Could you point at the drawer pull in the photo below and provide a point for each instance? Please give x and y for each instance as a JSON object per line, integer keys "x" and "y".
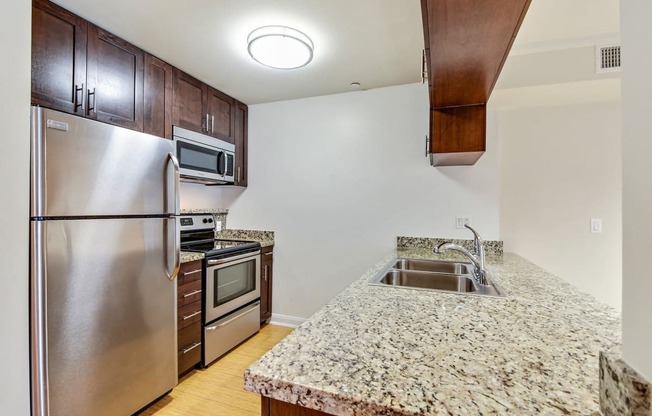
{"x": 193, "y": 293}
{"x": 269, "y": 254}
{"x": 192, "y": 272}
{"x": 191, "y": 315}
{"x": 187, "y": 350}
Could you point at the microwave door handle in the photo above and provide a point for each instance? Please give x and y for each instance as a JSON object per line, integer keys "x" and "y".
{"x": 225, "y": 166}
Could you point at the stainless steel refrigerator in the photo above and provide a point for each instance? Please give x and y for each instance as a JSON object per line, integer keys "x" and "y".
{"x": 103, "y": 258}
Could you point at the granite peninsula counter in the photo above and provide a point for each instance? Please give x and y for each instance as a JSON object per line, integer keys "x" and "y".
{"x": 393, "y": 351}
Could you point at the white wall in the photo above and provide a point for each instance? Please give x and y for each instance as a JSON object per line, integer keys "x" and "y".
{"x": 560, "y": 167}
{"x": 637, "y": 185}
{"x": 338, "y": 177}
{"x": 15, "y": 35}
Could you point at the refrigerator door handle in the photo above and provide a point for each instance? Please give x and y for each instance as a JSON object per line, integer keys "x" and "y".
{"x": 175, "y": 164}
{"x": 37, "y": 149}
{"x": 38, "y": 318}
{"x": 176, "y": 249}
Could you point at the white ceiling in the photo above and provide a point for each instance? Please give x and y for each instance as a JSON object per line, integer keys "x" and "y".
{"x": 374, "y": 42}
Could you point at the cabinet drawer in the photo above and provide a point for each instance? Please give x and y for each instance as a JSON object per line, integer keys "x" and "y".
{"x": 189, "y": 347}
{"x": 189, "y": 292}
{"x": 189, "y": 314}
{"x": 189, "y": 336}
{"x": 190, "y": 272}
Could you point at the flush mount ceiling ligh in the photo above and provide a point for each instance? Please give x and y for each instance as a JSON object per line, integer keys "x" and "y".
{"x": 280, "y": 47}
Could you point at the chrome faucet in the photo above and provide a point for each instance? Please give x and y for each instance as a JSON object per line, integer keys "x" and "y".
{"x": 476, "y": 257}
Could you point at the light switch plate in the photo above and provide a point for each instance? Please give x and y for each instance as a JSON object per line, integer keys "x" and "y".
{"x": 596, "y": 225}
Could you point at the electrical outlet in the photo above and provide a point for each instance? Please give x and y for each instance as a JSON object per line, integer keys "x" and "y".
{"x": 218, "y": 226}
{"x": 461, "y": 221}
{"x": 596, "y": 225}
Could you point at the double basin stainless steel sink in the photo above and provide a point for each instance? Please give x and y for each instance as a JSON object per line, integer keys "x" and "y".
{"x": 437, "y": 275}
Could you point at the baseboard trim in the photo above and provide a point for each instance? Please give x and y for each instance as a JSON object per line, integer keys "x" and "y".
{"x": 285, "y": 320}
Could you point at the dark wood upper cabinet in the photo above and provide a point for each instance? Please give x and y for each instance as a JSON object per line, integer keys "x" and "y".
{"x": 221, "y": 109}
{"x": 241, "y": 143}
{"x": 82, "y": 69}
{"x": 201, "y": 108}
{"x": 115, "y": 80}
{"x": 58, "y": 58}
{"x": 157, "y": 97}
{"x": 466, "y": 44}
{"x": 189, "y": 102}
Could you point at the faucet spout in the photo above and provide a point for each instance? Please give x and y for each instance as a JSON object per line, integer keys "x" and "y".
{"x": 476, "y": 257}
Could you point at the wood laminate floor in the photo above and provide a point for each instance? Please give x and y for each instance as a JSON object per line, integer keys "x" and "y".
{"x": 217, "y": 390}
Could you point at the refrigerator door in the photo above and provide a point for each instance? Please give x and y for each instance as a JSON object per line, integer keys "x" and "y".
{"x": 82, "y": 167}
{"x": 104, "y": 337}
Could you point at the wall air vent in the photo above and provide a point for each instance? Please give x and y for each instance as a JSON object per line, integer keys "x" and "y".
{"x": 607, "y": 59}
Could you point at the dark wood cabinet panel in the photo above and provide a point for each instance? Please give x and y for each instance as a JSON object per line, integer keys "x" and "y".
{"x": 189, "y": 314}
{"x": 189, "y": 339}
{"x": 58, "y": 57}
{"x": 272, "y": 407}
{"x": 115, "y": 80}
{"x": 469, "y": 41}
{"x": 241, "y": 143}
{"x": 459, "y": 128}
{"x": 220, "y": 108}
{"x": 188, "y": 102}
{"x": 466, "y": 44}
{"x": 266, "y": 278}
{"x": 157, "y": 97}
{"x": 189, "y": 304}
{"x": 190, "y": 272}
{"x": 189, "y": 292}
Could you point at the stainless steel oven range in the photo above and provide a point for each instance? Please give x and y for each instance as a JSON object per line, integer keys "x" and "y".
{"x": 231, "y": 285}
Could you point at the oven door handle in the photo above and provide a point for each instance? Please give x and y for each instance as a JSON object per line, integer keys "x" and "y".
{"x": 230, "y": 259}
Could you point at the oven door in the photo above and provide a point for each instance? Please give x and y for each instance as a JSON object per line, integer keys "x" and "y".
{"x": 231, "y": 283}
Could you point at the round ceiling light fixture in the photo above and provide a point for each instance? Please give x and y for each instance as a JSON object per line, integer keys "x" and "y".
{"x": 280, "y": 47}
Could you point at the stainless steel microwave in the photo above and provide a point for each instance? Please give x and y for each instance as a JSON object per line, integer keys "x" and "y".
{"x": 203, "y": 159}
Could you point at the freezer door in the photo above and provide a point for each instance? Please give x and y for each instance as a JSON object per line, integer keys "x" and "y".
{"x": 82, "y": 167}
{"x": 104, "y": 337}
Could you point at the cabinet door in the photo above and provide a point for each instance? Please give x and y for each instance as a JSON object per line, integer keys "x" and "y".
{"x": 157, "y": 117}
{"x": 221, "y": 112}
{"x": 188, "y": 110}
{"x": 58, "y": 57}
{"x": 115, "y": 80}
{"x": 267, "y": 265}
{"x": 241, "y": 143}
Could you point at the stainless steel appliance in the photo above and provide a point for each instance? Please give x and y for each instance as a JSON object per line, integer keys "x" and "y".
{"x": 104, "y": 252}
{"x": 231, "y": 311}
{"x": 203, "y": 159}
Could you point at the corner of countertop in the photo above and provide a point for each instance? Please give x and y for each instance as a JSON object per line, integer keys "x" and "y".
{"x": 265, "y": 238}
{"x": 187, "y": 256}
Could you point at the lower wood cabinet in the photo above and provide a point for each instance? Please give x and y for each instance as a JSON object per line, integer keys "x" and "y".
{"x": 272, "y": 407}
{"x": 189, "y": 299}
{"x": 266, "y": 272}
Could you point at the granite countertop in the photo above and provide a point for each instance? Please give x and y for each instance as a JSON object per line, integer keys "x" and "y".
{"x": 205, "y": 211}
{"x": 188, "y": 256}
{"x": 265, "y": 238}
{"x": 391, "y": 351}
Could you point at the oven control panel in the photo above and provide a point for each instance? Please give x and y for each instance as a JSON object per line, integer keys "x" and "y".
{"x": 194, "y": 222}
